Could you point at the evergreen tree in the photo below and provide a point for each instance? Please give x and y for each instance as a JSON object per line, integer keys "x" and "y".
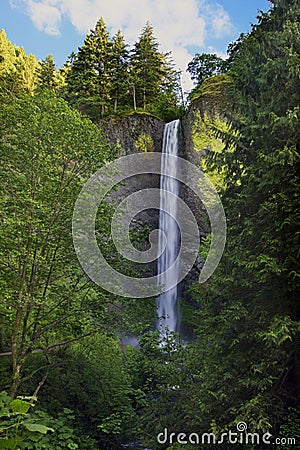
{"x": 89, "y": 78}
{"x": 247, "y": 353}
{"x": 170, "y": 102}
{"x": 17, "y": 70}
{"x": 46, "y": 72}
{"x": 104, "y": 76}
{"x": 47, "y": 76}
{"x": 119, "y": 71}
{"x": 7, "y": 53}
{"x": 148, "y": 68}
{"x": 27, "y": 68}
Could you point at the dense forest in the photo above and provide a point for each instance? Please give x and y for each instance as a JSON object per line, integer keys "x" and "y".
{"x": 67, "y": 381}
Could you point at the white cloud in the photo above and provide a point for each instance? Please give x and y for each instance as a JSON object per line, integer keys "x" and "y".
{"x": 222, "y": 55}
{"x": 177, "y": 24}
{"x": 45, "y": 15}
{"x": 221, "y": 23}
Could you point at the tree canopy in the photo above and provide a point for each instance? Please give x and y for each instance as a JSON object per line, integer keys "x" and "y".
{"x": 206, "y": 65}
{"x": 17, "y": 70}
{"x": 248, "y": 332}
{"x": 105, "y": 77}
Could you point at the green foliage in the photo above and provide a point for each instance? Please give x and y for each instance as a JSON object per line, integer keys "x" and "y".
{"x": 246, "y": 356}
{"x": 144, "y": 143}
{"x": 98, "y": 406}
{"x": 49, "y": 309}
{"x": 206, "y": 131}
{"x": 167, "y": 106}
{"x": 17, "y": 70}
{"x": 206, "y": 65}
{"x": 16, "y": 422}
{"x": 47, "y": 76}
{"x": 89, "y": 77}
{"x": 158, "y": 378}
{"x": 47, "y": 152}
{"x": 291, "y": 427}
{"x": 151, "y": 72}
{"x": 105, "y": 78}
{"x": 119, "y": 71}
{"x": 59, "y": 334}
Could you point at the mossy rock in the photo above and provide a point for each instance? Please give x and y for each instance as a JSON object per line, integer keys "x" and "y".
{"x": 211, "y": 95}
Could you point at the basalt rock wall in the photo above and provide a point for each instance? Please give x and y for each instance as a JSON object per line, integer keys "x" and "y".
{"x": 144, "y": 133}
{"x": 131, "y": 133}
{"x": 137, "y": 133}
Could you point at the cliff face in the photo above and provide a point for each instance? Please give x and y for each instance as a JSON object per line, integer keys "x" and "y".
{"x": 193, "y": 156}
{"x": 206, "y": 113}
{"x": 188, "y": 151}
{"x": 135, "y": 133}
{"x": 144, "y": 133}
{"x": 194, "y": 203}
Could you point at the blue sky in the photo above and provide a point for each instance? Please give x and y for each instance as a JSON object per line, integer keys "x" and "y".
{"x": 182, "y": 26}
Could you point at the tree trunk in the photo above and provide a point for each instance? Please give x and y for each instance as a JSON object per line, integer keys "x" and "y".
{"x": 16, "y": 378}
{"x": 134, "y": 97}
{"x": 16, "y": 363}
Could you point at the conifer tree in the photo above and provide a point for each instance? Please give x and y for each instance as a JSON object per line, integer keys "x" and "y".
{"x": 17, "y": 69}
{"x": 7, "y": 53}
{"x": 148, "y": 68}
{"x": 248, "y": 339}
{"x": 104, "y": 77}
{"x": 119, "y": 70}
{"x": 88, "y": 80}
{"x": 46, "y": 74}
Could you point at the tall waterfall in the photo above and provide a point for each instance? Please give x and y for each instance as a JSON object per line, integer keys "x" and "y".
{"x": 167, "y": 303}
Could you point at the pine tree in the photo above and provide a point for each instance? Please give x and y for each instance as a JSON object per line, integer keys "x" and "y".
{"x": 148, "y": 68}
{"x": 17, "y": 69}
{"x": 103, "y": 75}
{"x": 46, "y": 74}
{"x": 28, "y": 70}
{"x": 119, "y": 71}
{"x": 100, "y": 48}
{"x": 89, "y": 78}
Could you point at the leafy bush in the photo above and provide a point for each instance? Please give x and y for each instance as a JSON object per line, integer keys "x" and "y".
{"x": 24, "y": 428}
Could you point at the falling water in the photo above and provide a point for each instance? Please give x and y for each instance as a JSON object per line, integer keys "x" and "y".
{"x": 167, "y": 303}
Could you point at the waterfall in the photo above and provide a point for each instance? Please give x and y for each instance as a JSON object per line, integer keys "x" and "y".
{"x": 167, "y": 303}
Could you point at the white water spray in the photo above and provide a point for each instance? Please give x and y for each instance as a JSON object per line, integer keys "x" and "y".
{"x": 167, "y": 303}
